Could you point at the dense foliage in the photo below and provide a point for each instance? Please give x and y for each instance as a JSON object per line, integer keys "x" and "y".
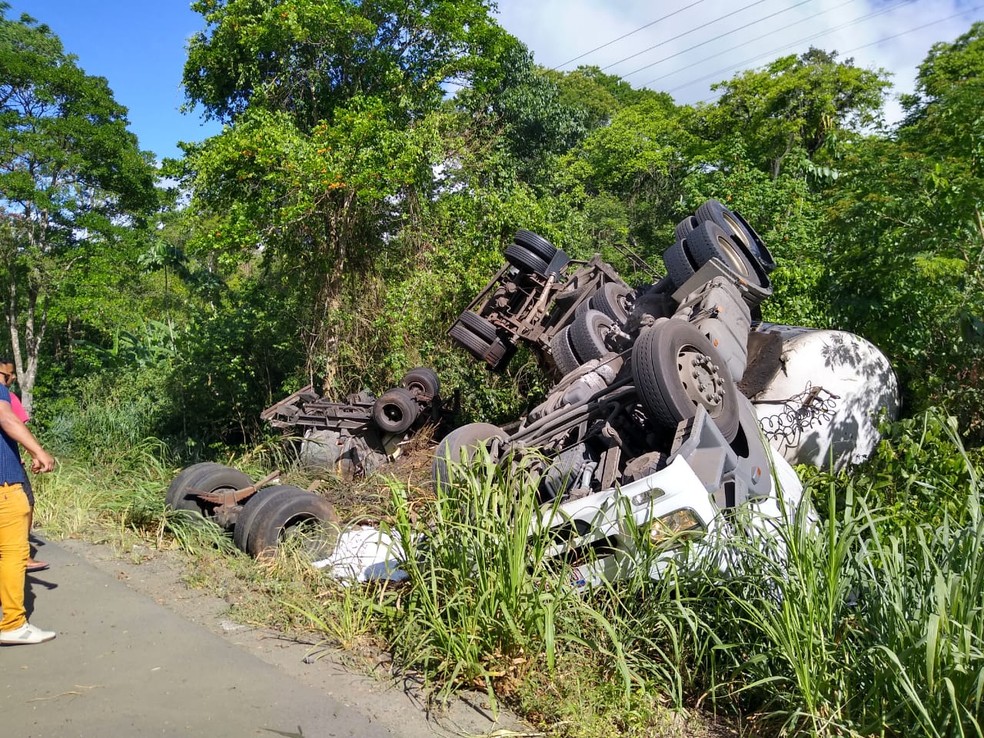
{"x": 376, "y": 158}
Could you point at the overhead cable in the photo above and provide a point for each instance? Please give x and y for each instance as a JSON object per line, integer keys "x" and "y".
{"x": 857, "y": 48}
{"x": 750, "y": 41}
{"x": 626, "y": 35}
{"x": 712, "y": 40}
{"x": 685, "y": 33}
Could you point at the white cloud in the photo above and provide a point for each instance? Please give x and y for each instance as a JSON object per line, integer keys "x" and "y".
{"x": 698, "y": 46}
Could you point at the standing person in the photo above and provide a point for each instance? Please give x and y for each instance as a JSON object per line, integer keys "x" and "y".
{"x": 14, "y": 513}
{"x": 7, "y": 376}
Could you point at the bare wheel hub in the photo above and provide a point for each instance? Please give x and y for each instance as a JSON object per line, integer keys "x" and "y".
{"x": 701, "y": 378}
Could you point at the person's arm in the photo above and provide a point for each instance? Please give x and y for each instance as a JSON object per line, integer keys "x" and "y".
{"x": 15, "y": 428}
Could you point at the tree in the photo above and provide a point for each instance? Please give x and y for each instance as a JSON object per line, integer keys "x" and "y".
{"x": 70, "y": 176}
{"x": 795, "y": 104}
{"x": 306, "y": 57}
{"x": 908, "y": 267}
{"x": 333, "y": 138}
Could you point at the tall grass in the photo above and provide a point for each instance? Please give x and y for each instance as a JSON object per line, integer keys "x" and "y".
{"x": 852, "y": 626}
{"x": 870, "y": 622}
{"x": 483, "y": 596}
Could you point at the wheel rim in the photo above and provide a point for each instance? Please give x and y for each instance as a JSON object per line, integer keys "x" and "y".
{"x": 736, "y": 228}
{"x": 393, "y": 413}
{"x": 701, "y": 379}
{"x": 729, "y": 251}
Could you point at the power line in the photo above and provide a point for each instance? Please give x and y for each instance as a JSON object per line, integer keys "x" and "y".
{"x": 626, "y": 35}
{"x": 720, "y": 36}
{"x": 746, "y": 62}
{"x": 911, "y": 30}
{"x": 751, "y": 41}
{"x": 685, "y": 33}
{"x": 857, "y": 48}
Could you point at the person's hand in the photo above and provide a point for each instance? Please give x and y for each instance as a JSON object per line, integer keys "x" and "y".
{"x": 42, "y": 462}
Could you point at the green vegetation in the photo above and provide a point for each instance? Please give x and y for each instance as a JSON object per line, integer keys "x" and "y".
{"x": 350, "y": 209}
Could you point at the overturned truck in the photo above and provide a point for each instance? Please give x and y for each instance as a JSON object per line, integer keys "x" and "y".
{"x": 673, "y": 402}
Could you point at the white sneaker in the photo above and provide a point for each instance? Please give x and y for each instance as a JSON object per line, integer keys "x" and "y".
{"x": 26, "y": 634}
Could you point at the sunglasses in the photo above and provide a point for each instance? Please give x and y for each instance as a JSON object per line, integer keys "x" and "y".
{"x": 7, "y": 376}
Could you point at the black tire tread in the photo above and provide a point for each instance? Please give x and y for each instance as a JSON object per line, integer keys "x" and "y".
{"x": 536, "y": 244}
{"x": 678, "y": 266}
{"x": 563, "y": 353}
{"x": 253, "y": 504}
{"x": 586, "y": 336}
{"x": 208, "y": 479}
{"x": 269, "y": 523}
{"x": 657, "y": 381}
{"x": 422, "y": 380}
{"x": 709, "y": 241}
{"x": 525, "y": 260}
{"x": 608, "y": 300}
{"x": 405, "y": 405}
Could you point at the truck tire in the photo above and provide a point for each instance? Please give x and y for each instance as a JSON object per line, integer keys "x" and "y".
{"x": 678, "y": 265}
{"x": 563, "y": 354}
{"x": 475, "y": 345}
{"x": 613, "y": 300}
{"x": 207, "y": 479}
{"x": 536, "y": 244}
{"x": 478, "y": 325}
{"x": 588, "y": 333}
{"x": 732, "y": 222}
{"x": 525, "y": 260}
{"x": 709, "y": 241}
{"x": 255, "y": 503}
{"x": 278, "y": 517}
{"x": 756, "y": 245}
{"x": 395, "y": 410}
{"x": 464, "y": 440}
{"x": 176, "y": 490}
{"x": 421, "y": 382}
{"x": 684, "y": 227}
{"x": 665, "y": 359}
{"x": 473, "y": 332}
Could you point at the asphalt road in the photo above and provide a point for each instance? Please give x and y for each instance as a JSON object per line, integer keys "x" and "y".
{"x": 123, "y": 665}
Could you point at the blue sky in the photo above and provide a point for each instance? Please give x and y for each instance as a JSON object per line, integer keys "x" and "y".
{"x": 139, "y": 45}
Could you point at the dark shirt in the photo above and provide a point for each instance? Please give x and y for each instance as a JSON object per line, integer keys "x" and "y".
{"x": 11, "y": 469}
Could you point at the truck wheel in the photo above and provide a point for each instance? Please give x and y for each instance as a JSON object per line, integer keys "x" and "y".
{"x": 478, "y": 325}
{"x": 476, "y": 346}
{"x": 709, "y": 241}
{"x": 678, "y": 265}
{"x": 525, "y": 260}
{"x": 461, "y": 441}
{"x": 588, "y": 334}
{"x": 613, "y": 300}
{"x": 675, "y": 369}
{"x": 737, "y": 227}
{"x": 536, "y": 244}
{"x": 254, "y": 504}
{"x": 684, "y": 227}
{"x": 756, "y": 245}
{"x": 206, "y": 480}
{"x": 563, "y": 354}
{"x": 473, "y": 332}
{"x": 421, "y": 381}
{"x": 176, "y": 490}
{"x": 395, "y": 410}
{"x": 290, "y": 513}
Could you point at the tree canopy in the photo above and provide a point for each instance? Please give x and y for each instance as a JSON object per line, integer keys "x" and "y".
{"x": 70, "y": 174}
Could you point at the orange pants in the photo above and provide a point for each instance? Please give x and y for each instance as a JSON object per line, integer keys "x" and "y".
{"x": 14, "y": 552}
